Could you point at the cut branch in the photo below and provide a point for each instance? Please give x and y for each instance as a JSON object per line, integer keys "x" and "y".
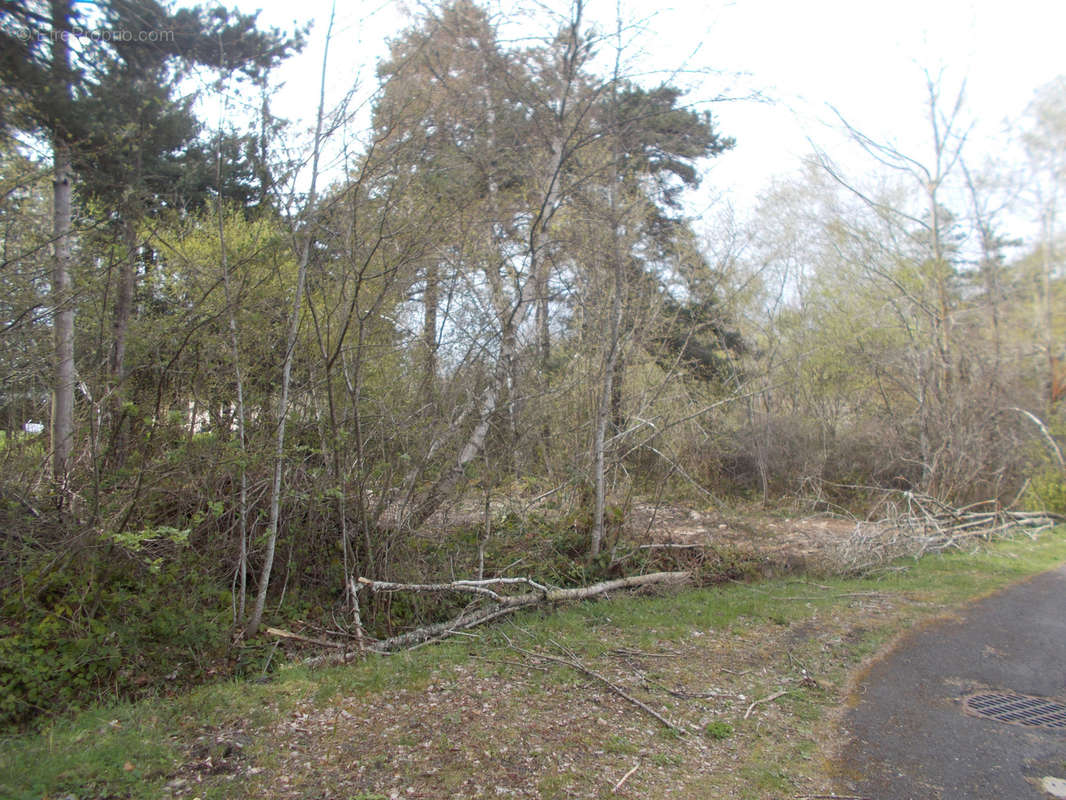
{"x": 767, "y": 699}
{"x": 284, "y": 634}
{"x": 1051, "y": 443}
{"x": 918, "y": 524}
{"x": 503, "y": 604}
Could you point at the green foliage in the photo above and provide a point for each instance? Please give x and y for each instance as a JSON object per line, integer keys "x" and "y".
{"x": 718, "y": 730}
{"x": 105, "y": 626}
{"x": 138, "y": 541}
{"x": 1047, "y": 491}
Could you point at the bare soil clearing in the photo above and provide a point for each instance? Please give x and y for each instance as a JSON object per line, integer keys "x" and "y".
{"x": 779, "y": 540}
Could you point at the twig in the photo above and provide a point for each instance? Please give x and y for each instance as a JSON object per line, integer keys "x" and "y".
{"x": 767, "y": 699}
{"x": 625, "y": 777}
{"x": 623, "y": 652}
{"x": 574, "y": 664}
{"x": 521, "y": 664}
{"x": 812, "y": 583}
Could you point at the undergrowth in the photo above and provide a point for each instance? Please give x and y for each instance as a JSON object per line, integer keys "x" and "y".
{"x": 132, "y": 749}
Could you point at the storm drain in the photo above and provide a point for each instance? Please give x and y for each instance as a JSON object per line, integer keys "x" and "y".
{"x": 1017, "y": 709}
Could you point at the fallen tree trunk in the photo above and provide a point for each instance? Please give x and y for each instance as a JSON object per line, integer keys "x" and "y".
{"x": 502, "y": 605}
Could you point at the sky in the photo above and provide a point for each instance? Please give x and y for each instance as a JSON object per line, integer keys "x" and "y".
{"x": 801, "y": 57}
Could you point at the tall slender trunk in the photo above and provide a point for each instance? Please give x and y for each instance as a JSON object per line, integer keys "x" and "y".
{"x": 603, "y": 411}
{"x": 507, "y": 309}
{"x": 127, "y": 281}
{"x": 290, "y": 350}
{"x": 990, "y": 269}
{"x": 238, "y": 377}
{"x": 120, "y": 320}
{"x": 430, "y": 301}
{"x": 540, "y": 269}
{"x": 567, "y": 65}
{"x": 62, "y": 287}
{"x": 1048, "y": 263}
{"x": 538, "y": 245}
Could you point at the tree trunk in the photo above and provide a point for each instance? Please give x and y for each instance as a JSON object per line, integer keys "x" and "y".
{"x": 120, "y": 323}
{"x": 62, "y": 290}
{"x": 611, "y": 356}
{"x": 290, "y": 350}
{"x": 238, "y": 380}
{"x": 1048, "y": 234}
{"x": 430, "y": 301}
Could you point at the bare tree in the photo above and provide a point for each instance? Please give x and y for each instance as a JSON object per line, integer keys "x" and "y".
{"x": 306, "y": 239}
{"x": 1045, "y": 144}
{"x": 928, "y": 231}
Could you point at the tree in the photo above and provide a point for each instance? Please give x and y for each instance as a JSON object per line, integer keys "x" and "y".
{"x": 69, "y": 96}
{"x": 24, "y": 269}
{"x": 1045, "y": 145}
{"x": 930, "y": 236}
{"x": 306, "y": 242}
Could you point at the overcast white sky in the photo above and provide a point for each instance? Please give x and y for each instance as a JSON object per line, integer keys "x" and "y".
{"x": 865, "y": 58}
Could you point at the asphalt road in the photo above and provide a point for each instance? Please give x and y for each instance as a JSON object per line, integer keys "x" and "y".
{"x": 911, "y": 738}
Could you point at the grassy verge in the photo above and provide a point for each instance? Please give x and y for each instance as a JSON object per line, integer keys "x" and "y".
{"x": 751, "y": 672}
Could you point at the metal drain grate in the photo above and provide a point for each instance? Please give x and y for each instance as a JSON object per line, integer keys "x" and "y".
{"x": 1017, "y": 709}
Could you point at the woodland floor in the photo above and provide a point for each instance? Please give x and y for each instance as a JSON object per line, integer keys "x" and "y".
{"x": 508, "y": 724}
{"x": 781, "y": 540}
{"x": 523, "y": 728}
{"x": 753, "y": 677}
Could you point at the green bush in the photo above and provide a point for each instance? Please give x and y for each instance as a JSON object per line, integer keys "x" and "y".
{"x": 1047, "y": 491}
{"x": 69, "y": 634}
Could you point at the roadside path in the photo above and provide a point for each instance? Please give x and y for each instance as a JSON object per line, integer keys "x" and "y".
{"x": 910, "y": 737}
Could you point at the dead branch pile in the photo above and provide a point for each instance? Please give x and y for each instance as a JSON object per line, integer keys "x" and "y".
{"x": 916, "y": 524}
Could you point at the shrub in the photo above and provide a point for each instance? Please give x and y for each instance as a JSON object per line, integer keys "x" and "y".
{"x": 71, "y": 632}
{"x": 1047, "y": 491}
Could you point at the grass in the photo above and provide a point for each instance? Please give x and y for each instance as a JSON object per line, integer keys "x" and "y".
{"x": 740, "y": 642}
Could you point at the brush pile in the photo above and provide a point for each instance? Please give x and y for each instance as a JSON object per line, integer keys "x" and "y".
{"x": 915, "y": 524}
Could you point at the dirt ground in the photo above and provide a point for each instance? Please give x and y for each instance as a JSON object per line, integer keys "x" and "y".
{"x": 523, "y": 728}
{"x": 515, "y": 726}
{"x": 780, "y": 540}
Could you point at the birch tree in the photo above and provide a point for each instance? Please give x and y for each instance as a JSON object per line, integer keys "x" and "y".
{"x": 306, "y": 239}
